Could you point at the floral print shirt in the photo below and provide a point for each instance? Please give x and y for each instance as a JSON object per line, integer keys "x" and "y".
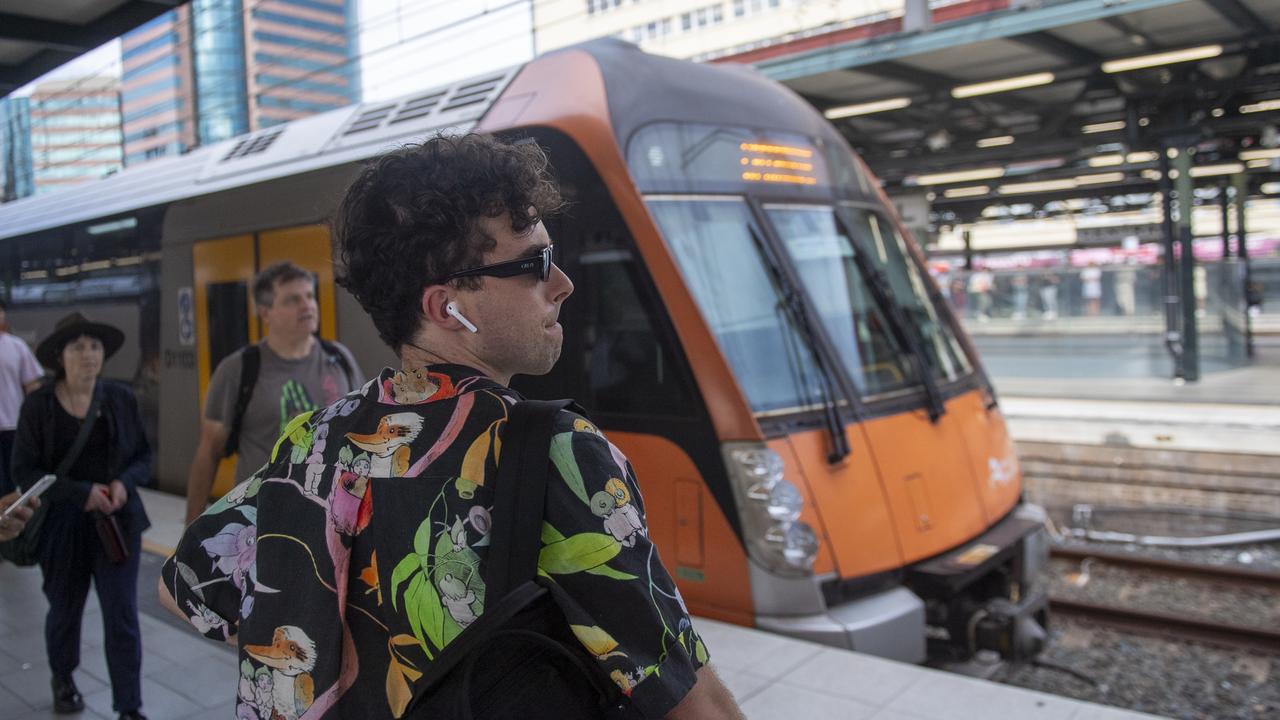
{"x": 350, "y": 560}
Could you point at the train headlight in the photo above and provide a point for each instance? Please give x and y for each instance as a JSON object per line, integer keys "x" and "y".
{"x": 770, "y": 507}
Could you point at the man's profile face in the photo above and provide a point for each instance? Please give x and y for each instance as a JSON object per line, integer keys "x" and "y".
{"x": 293, "y": 310}
{"x": 517, "y": 316}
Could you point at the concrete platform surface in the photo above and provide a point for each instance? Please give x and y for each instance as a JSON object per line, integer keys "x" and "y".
{"x": 186, "y": 677}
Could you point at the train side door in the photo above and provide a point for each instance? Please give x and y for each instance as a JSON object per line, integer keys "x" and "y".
{"x": 309, "y": 247}
{"x": 223, "y": 271}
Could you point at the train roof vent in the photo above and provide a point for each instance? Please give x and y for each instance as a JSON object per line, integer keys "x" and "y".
{"x": 253, "y": 144}
{"x": 473, "y": 93}
{"x": 369, "y": 119}
{"x": 417, "y": 107}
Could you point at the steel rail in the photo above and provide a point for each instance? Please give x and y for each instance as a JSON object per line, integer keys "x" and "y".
{"x": 1200, "y": 571}
{"x": 1172, "y": 626}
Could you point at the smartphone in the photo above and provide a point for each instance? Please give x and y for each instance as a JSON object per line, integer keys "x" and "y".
{"x": 34, "y": 491}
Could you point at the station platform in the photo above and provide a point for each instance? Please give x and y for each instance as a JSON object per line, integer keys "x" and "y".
{"x": 186, "y": 677}
{"x": 1229, "y": 411}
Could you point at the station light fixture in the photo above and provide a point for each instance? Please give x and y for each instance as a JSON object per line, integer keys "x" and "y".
{"x": 995, "y": 141}
{"x": 1264, "y": 154}
{"x": 1263, "y": 106}
{"x": 1271, "y": 188}
{"x": 959, "y": 176}
{"x": 1222, "y": 169}
{"x": 1103, "y": 127}
{"x": 1203, "y": 52}
{"x": 1106, "y": 160}
{"x": 1100, "y": 178}
{"x": 1259, "y": 163}
{"x": 1152, "y": 175}
{"x": 1144, "y": 156}
{"x": 998, "y": 86}
{"x": 866, "y": 108}
{"x": 970, "y": 191}
{"x": 1035, "y": 187}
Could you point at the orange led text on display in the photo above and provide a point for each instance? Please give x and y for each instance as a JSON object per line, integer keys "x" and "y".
{"x": 767, "y": 159}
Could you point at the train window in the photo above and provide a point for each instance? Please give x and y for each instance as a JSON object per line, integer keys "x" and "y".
{"x": 888, "y": 250}
{"x": 711, "y": 239}
{"x": 228, "y": 318}
{"x": 628, "y": 368}
{"x": 856, "y": 326}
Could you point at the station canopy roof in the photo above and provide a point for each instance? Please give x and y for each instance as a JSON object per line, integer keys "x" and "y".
{"x": 37, "y": 36}
{"x": 1045, "y": 100}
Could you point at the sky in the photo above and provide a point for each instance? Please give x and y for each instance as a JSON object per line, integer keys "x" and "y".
{"x": 405, "y": 45}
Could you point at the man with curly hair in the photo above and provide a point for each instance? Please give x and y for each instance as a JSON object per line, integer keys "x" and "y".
{"x": 349, "y": 564}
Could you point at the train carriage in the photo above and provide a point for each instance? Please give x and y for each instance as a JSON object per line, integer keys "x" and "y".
{"x": 820, "y": 452}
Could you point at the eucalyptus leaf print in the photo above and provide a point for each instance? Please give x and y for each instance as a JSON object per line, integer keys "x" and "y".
{"x": 578, "y": 553}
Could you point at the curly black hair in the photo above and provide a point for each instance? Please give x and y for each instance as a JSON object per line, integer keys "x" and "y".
{"x": 412, "y": 217}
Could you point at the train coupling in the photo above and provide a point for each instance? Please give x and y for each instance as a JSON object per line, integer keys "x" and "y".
{"x": 1015, "y": 630}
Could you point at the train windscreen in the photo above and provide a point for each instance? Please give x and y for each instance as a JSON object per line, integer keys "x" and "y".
{"x": 701, "y": 181}
{"x": 823, "y": 257}
{"x": 712, "y": 240}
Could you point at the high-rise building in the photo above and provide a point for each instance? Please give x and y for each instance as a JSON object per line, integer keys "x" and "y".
{"x": 157, "y": 99}
{"x": 75, "y": 131}
{"x": 299, "y": 59}
{"x": 700, "y": 29}
{"x": 17, "y": 174}
{"x": 214, "y": 69}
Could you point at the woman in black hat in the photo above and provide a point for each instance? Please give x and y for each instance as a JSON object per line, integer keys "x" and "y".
{"x": 93, "y": 529}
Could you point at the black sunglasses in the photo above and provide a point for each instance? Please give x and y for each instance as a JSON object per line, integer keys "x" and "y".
{"x": 540, "y": 264}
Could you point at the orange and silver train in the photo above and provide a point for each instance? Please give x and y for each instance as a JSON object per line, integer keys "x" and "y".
{"x": 820, "y": 452}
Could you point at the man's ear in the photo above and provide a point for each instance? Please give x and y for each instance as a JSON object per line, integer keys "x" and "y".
{"x": 434, "y": 298}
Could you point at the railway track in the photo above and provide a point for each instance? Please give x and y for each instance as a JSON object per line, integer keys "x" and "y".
{"x": 1175, "y": 625}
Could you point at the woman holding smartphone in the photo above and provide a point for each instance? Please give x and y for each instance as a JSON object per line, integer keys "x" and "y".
{"x": 88, "y": 432}
{"x": 12, "y": 522}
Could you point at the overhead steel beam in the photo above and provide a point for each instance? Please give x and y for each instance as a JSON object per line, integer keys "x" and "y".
{"x": 988, "y": 26}
{"x": 54, "y": 35}
{"x": 65, "y": 41}
{"x": 1238, "y": 14}
{"x": 1054, "y": 45}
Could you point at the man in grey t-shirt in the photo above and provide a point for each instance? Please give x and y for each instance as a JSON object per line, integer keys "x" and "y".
{"x": 296, "y": 373}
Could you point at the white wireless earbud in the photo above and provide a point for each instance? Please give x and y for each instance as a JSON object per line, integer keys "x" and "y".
{"x": 452, "y": 309}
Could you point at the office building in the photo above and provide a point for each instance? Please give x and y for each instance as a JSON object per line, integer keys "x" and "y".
{"x": 214, "y": 69}
{"x": 75, "y": 131}
{"x": 17, "y": 174}
{"x": 698, "y": 29}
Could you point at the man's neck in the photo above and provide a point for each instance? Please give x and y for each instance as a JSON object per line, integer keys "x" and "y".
{"x": 414, "y": 356}
{"x": 289, "y": 348}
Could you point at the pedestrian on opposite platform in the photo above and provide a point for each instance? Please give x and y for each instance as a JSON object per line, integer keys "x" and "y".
{"x": 88, "y": 432}
{"x": 362, "y": 558}
{"x": 257, "y": 390}
{"x": 19, "y": 375}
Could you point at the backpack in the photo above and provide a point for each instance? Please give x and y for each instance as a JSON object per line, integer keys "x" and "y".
{"x": 519, "y": 659}
{"x": 250, "y": 363}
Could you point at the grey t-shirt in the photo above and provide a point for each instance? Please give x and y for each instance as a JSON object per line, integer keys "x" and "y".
{"x": 284, "y": 389}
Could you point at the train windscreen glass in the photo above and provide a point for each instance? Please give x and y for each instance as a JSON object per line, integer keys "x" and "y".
{"x": 723, "y": 267}
{"x": 823, "y": 257}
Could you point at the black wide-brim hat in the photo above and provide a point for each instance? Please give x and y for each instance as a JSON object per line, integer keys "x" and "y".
{"x": 71, "y": 327}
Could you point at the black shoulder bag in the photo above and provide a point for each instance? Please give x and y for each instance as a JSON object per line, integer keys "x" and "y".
{"x": 519, "y": 659}
{"x": 24, "y": 550}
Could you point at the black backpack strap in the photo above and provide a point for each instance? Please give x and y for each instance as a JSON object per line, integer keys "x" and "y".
{"x": 250, "y": 362}
{"x": 524, "y": 466}
{"x": 336, "y": 355}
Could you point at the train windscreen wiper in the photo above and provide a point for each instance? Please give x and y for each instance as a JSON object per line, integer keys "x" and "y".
{"x": 902, "y": 327}
{"x": 796, "y": 307}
